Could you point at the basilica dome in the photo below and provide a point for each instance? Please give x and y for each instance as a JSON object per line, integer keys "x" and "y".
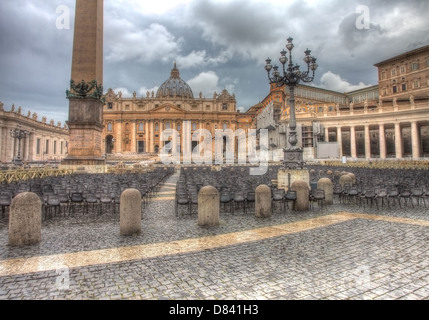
{"x": 174, "y": 86}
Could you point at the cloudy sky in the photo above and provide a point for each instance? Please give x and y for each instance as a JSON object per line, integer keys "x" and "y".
{"x": 217, "y": 44}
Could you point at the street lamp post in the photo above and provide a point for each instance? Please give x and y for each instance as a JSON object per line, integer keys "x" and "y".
{"x": 19, "y": 134}
{"x": 291, "y": 77}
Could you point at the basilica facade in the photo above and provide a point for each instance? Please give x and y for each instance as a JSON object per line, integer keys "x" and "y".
{"x": 134, "y": 126}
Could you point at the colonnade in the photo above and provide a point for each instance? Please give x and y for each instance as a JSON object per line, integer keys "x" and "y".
{"x": 405, "y": 139}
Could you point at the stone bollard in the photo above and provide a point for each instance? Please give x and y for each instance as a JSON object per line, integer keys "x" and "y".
{"x": 263, "y": 201}
{"x": 25, "y": 220}
{"x": 345, "y": 179}
{"x": 130, "y": 212}
{"x": 208, "y": 206}
{"x": 352, "y": 175}
{"x": 326, "y": 185}
{"x": 302, "y": 195}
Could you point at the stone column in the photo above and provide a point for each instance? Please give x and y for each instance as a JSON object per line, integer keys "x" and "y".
{"x": 130, "y": 212}
{"x": 25, "y": 220}
{"x": 383, "y": 151}
{"x": 326, "y": 134}
{"x": 133, "y": 136}
{"x": 2, "y": 144}
{"x": 353, "y": 142}
{"x": 208, "y": 206}
{"x": 415, "y": 139}
{"x": 326, "y": 185}
{"x": 85, "y": 120}
{"x": 302, "y": 195}
{"x": 263, "y": 201}
{"x": 340, "y": 142}
{"x": 152, "y": 136}
{"x": 398, "y": 141}
{"x": 367, "y": 142}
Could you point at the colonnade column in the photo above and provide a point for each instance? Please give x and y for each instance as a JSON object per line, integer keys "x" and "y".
{"x": 340, "y": 142}
{"x": 118, "y": 141}
{"x": 415, "y": 140}
{"x": 326, "y": 134}
{"x": 367, "y": 142}
{"x": 353, "y": 142}
{"x": 152, "y": 137}
{"x": 382, "y": 141}
{"x": 133, "y": 136}
{"x": 146, "y": 137}
{"x": 398, "y": 140}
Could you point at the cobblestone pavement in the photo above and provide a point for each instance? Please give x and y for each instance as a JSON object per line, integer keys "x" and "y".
{"x": 344, "y": 251}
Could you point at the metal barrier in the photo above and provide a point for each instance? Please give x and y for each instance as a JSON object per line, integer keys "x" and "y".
{"x": 28, "y": 174}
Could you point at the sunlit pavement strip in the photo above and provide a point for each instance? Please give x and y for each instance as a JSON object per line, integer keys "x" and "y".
{"x": 122, "y": 254}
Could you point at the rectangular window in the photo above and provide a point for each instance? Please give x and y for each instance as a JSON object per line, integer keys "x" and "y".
{"x": 225, "y": 106}
{"x": 402, "y": 69}
{"x": 38, "y": 146}
{"x": 110, "y": 105}
{"x": 415, "y": 66}
{"x": 416, "y": 84}
{"x": 393, "y": 72}
{"x": 394, "y": 89}
{"x": 47, "y": 147}
{"x": 404, "y": 87}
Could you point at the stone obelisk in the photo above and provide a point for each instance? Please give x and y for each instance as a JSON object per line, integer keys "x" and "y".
{"x": 86, "y": 91}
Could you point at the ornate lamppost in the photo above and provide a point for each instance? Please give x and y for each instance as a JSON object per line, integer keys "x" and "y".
{"x": 19, "y": 134}
{"x": 291, "y": 77}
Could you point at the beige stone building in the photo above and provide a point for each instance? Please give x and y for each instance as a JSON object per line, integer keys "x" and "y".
{"x": 134, "y": 125}
{"x": 388, "y": 120}
{"x": 46, "y": 141}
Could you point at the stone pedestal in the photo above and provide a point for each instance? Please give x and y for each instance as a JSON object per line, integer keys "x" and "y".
{"x": 263, "y": 201}
{"x": 25, "y": 221}
{"x": 286, "y": 177}
{"x": 208, "y": 206}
